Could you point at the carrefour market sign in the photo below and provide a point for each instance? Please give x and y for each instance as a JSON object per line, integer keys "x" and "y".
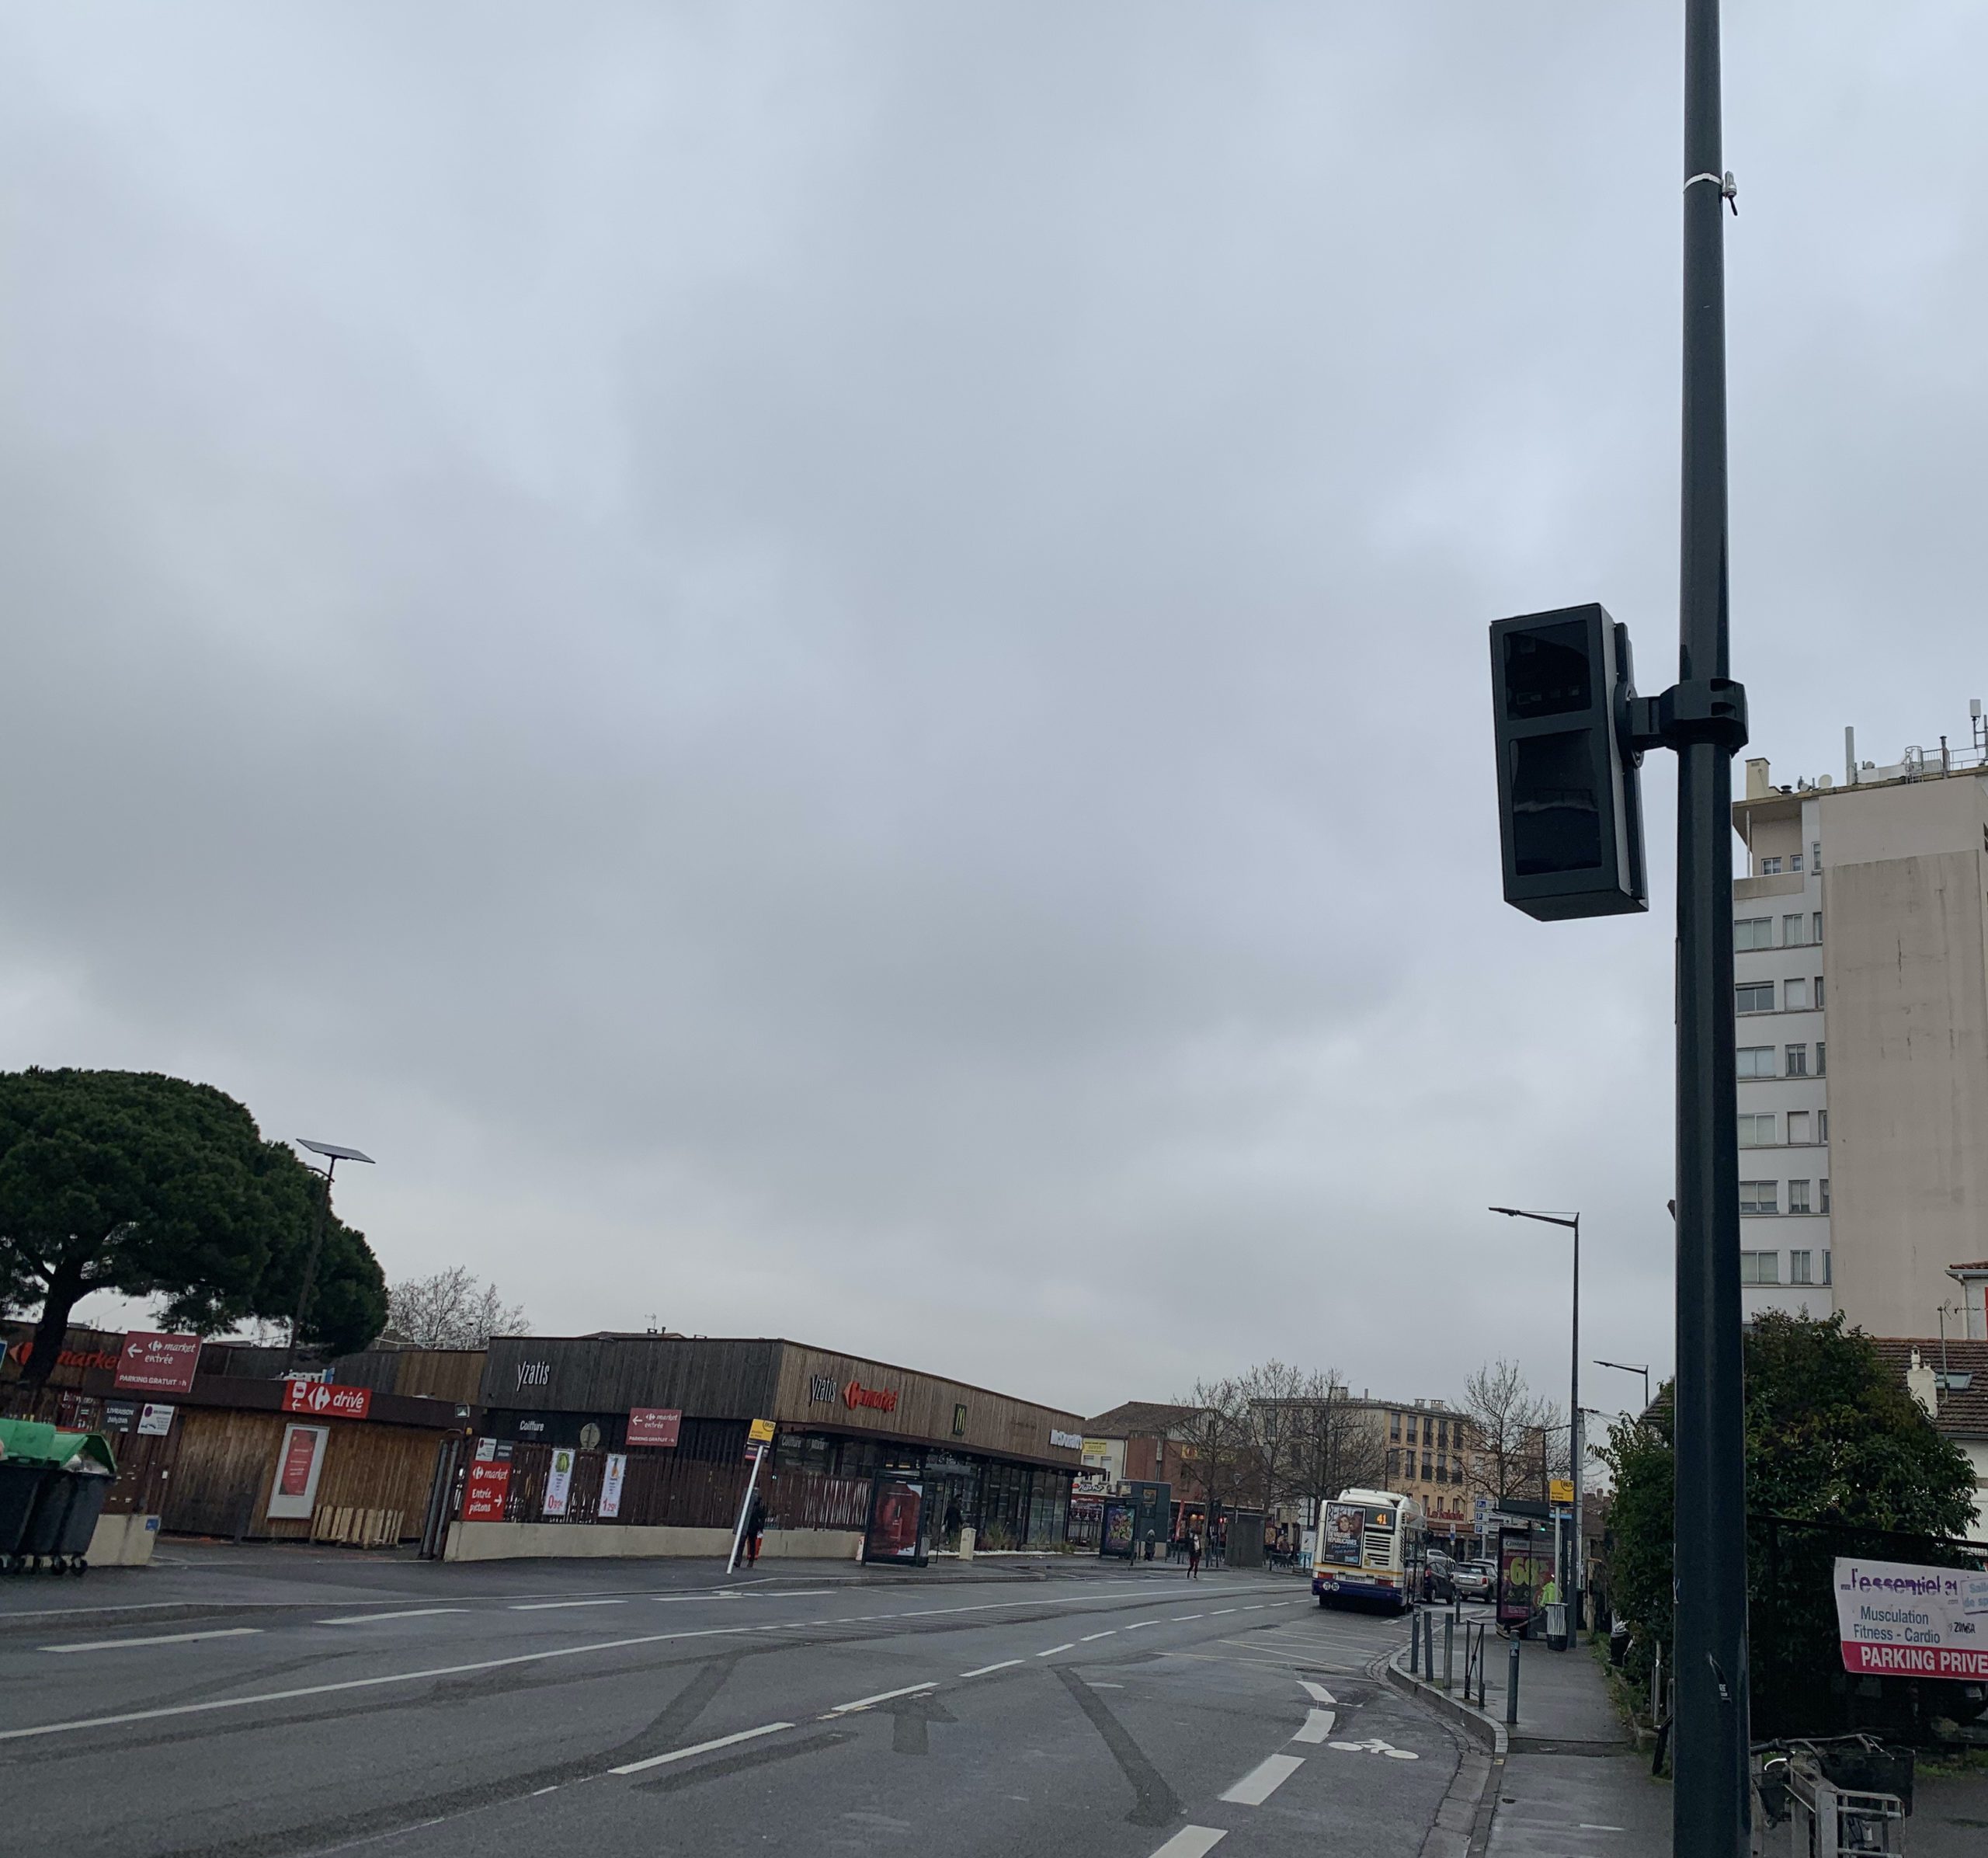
{"x": 1899, "y": 1618}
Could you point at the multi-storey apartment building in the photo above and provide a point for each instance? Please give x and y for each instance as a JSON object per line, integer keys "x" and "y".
{"x": 1860, "y": 1003}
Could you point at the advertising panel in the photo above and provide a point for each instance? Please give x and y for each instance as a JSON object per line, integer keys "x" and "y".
{"x": 1896, "y": 1618}
{"x": 655, "y": 1425}
{"x": 321, "y": 1399}
{"x": 152, "y": 1363}
{"x": 155, "y": 1421}
{"x": 299, "y": 1464}
{"x": 559, "y": 1481}
{"x": 1525, "y": 1564}
{"x": 483, "y": 1498}
{"x": 1116, "y": 1537}
{"x": 611, "y": 1476}
{"x": 1345, "y": 1524}
{"x": 897, "y": 1514}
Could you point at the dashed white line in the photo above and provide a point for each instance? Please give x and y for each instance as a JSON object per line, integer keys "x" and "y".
{"x": 1263, "y": 1779}
{"x": 882, "y": 1696}
{"x": 1317, "y": 1693}
{"x": 561, "y": 1605}
{"x": 1068, "y": 1645}
{"x": 1317, "y": 1726}
{"x": 1137, "y": 1623}
{"x": 163, "y": 1638}
{"x": 1191, "y": 1842}
{"x": 1179, "y": 1616}
{"x": 1220, "y": 1610}
{"x": 982, "y": 1670}
{"x": 702, "y": 1747}
{"x": 1106, "y": 1633}
{"x": 412, "y": 1612}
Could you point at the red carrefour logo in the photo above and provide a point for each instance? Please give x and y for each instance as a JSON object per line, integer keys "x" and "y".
{"x": 322, "y": 1398}
{"x": 856, "y": 1394}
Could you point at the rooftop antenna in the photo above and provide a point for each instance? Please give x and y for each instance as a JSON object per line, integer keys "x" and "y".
{"x": 1850, "y": 757}
{"x": 1980, "y": 725}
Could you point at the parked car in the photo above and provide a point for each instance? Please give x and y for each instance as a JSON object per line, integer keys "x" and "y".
{"x": 1475, "y": 1580}
{"x": 1440, "y": 1568}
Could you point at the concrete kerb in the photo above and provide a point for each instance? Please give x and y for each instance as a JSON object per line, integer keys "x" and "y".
{"x": 1462, "y": 1826}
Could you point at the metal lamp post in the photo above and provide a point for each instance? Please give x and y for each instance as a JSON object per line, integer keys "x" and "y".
{"x": 1572, "y": 1222}
{"x": 1631, "y": 1367}
{"x": 333, "y": 1155}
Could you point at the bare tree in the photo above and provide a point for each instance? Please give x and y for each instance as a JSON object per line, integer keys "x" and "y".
{"x": 454, "y": 1309}
{"x": 1213, "y": 1435}
{"x": 1341, "y": 1445}
{"x": 1270, "y": 1409}
{"x": 1517, "y": 1441}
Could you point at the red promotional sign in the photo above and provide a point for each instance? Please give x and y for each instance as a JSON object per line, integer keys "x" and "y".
{"x": 856, "y": 1394}
{"x": 654, "y": 1425}
{"x": 295, "y": 1480}
{"x": 483, "y": 1500}
{"x": 158, "y": 1364}
{"x": 324, "y": 1400}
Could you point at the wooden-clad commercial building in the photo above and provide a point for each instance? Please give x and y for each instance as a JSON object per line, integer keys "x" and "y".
{"x": 1000, "y": 1466}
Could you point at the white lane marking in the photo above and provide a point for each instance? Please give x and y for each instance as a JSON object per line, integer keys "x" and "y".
{"x": 1317, "y": 1726}
{"x": 982, "y": 1670}
{"x": 1584, "y": 1827}
{"x": 163, "y": 1638}
{"x": 1220, "y": 1610}
{"x": 1317, "y": 1693}
{"x": 1257, "y": 1608}
{"x": 561, "y": 1606}
{"x": 412, "y": 1612}
{"x": 702, "y": 1747}
{"x": 352, "y": 1683}
{"x": 1137, "y": 1623}
{"x": 882, "y": 1696}
{"x": 1106, "y": 1633}
{"x": 1373, "y": 1745}
{"x": 1263, "y": 1779}
{"x": 1070, "y": 1645}
{"x": 1188, "y": 1615}
{"x": 1191, "y": 1842}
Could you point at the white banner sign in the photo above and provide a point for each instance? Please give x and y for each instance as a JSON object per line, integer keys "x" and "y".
{"x": 558, "y": 1481}
{"x": 610, "y": 1484}
{"x": 1898, "y": 1618}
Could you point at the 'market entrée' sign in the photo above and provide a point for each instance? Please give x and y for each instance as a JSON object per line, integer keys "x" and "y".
{"x": 1897, "y": 1618}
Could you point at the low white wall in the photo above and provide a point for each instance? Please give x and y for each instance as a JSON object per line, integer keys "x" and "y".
{"x": 122, "y": 1541}
{"x": 594, "y": 1541}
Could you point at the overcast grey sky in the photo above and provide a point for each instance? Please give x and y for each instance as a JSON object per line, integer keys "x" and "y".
{"x": 823, "y": 666}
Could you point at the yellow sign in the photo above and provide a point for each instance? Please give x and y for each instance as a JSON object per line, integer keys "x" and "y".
{"x": 761, "y": 1431}
{"x": 1560, "y": 1490}
{"x": 1097, "y": 1448}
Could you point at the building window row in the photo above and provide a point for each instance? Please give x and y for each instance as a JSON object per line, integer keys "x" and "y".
{"x": 1804, "y": 1267}
{"x": 1801, "y": 929}
{"x": 1761, "y": 1197}
{"x": 1764, "y": 1128}
{"x": 1798, "y": 994}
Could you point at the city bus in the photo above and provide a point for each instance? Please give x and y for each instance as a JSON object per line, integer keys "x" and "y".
{"x": 1369, "y": 1544}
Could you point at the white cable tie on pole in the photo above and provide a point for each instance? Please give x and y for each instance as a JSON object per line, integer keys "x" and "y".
{"x": 1729, "y": 189}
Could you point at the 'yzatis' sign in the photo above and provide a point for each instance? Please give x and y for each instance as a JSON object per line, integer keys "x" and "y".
{"x": 1898, "y": 1619}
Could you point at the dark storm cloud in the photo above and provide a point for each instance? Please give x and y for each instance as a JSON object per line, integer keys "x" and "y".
{"x": 824, "y": 668}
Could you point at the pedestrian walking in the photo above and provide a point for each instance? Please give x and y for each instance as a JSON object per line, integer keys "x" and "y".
{"x": 756, "y": 1527}
{"x": 1193, "y": 1557}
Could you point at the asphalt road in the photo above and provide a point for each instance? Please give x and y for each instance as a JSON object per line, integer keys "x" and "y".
{"x": 617, "y": 1709}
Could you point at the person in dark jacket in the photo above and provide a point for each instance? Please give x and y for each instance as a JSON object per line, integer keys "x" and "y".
{"x": 756, "y": 1527}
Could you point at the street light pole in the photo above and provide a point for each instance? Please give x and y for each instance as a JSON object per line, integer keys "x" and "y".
{"x": 1576, "y": 1585}
{"x": 319, "y": 1212}
{"x": 1631, "y": 1367}
{"x": 1713, "y": 1810}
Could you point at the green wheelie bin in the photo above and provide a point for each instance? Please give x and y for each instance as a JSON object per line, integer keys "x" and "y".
{"x": 57, "y": 1481}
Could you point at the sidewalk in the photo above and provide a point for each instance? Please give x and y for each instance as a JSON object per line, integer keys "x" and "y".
{"x": 1566, "y": 1780}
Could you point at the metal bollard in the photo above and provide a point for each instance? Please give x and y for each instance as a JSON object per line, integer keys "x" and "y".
{"x": 1511, "y": 1683}
{"x": 1414, "y": 1645}
{"x": 1429, "y": 1646}
{"x": 1449, "y": 1652}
